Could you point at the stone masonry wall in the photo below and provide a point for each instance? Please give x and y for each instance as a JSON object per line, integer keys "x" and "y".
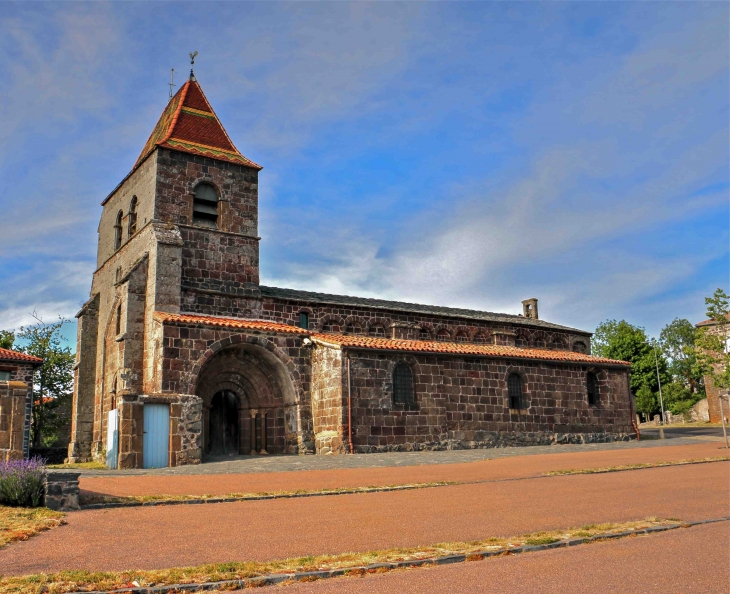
{"x": 462, "y": 403}
{"x": 13, "y": 408}
{"x": 328, "y": 396}
{"x": 344, "y": 319}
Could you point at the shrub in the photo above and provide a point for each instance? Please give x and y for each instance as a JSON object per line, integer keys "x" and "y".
{"x": 22, "y": 482}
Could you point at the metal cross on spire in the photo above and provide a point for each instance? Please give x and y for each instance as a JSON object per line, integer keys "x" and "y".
{"x": 192, "y": 62}
{"x": 171, "y": 83}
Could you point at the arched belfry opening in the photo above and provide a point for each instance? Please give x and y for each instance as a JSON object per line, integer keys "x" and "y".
{"x": 248, "y": 403}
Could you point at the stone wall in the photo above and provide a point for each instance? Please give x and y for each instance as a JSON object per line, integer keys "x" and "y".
{"x": 347, "y": 319}
{"x": 328, "y": 404}
{"x": 14, "y": 410}
{"x": 463, "y": 403}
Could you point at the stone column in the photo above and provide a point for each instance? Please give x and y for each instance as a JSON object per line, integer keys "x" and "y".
{"x": 254, "y": 412}
{"x": 263, "y": 432}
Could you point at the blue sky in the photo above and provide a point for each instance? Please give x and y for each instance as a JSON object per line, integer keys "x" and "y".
{"x": 465, "y": 154}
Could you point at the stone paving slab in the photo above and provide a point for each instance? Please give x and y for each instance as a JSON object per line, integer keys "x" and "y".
{"x": 256, "y": 464}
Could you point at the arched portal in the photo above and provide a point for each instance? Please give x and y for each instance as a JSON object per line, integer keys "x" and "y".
{"x": 223, "y": 424}
{"x": 247, "y": 395}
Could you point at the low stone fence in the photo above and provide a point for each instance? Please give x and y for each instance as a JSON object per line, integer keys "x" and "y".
{"x": 62, "y": 491}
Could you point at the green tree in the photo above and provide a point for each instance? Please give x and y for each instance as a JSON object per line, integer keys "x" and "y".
{"x": 646, "y": 401}
{"x": 678, "y": 343}
{"x": 712, "y": 342}
{"x": 625, "y": 342}
{"x": 7, "y": 338}
{"x": 53, "y": 382}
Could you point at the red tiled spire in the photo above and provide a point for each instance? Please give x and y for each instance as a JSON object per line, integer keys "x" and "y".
{"x": 190, "y": 125}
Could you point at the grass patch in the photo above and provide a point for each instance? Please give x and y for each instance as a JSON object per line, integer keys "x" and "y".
{"x": 91, "y": 498}
{"x": 636, "y": 466}
{"x": 70, "y": 581}
{"x": 80, "y": 466}
{"x": 20, "y": 523}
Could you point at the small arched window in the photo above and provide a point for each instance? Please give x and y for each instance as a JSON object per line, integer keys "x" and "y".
{"x": 118, "y": 231}
{"x": 514, "y": 391}
{"x": 579, "y": 347}
{"x": 424, "y": 334}
{"x": 443, "y": 335}
{"x": 461, "y": 336}
{"x": 592, "y": 388}
{"x": 118, "y": 326}
{"x": 304, "y": 320}
{"x": 480, "y": 338}
{"x": 132, "y": 218}
{"x": 403, "y": 386}
{"x": 205, "y": 206}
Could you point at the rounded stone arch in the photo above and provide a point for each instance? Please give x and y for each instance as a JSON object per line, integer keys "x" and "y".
{"x": 426, "y": 332}
{"x": 557, "y": 340}
{"x": 513, "y": 369}
{"x": 374, "y": 323}
{"x": 579, "y": 345}
{"x": 539, "y": 339}
{"x": 523, "y": 337}
{"x": 354, "y": 321}
{"x": 442, "y": 331}
{"x": 604, "y": 394}
{"x": 192, "y": 185}
{"x": 462, "y": 334}
{"x": 331, "y": 320}
{"x": 415, "y": 367}
{"x": 267, "y": 351}
{"x": 480, "y": 336}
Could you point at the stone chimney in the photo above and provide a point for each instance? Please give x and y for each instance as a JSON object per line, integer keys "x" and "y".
{"x": 529, "y": 308}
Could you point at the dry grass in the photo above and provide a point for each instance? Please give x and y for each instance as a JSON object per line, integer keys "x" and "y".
{"x": 636, "y": 466}
{"x": 88, "y": 498}
{"x": 20, "y": 523}
{"x": 80, "y": 466}
{"x": 70, "y": 581}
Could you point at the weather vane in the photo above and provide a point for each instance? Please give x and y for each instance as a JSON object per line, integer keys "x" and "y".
{"x": 192, "y": 62}
{"x": 171, "y": 83}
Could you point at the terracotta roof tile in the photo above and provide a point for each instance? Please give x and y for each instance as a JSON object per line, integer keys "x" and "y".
{"x": 459, "y": 348}
{"x": 8, "y": 355}
{"x": 709, "y": 322}
{"x": 388, "y": 344}
{"x": 235, "y": 323}
{"x": 190, "y": 125}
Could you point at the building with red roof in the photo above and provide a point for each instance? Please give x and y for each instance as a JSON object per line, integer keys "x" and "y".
{"x": 183, "y": 355}
{"x": 16, "y": 388}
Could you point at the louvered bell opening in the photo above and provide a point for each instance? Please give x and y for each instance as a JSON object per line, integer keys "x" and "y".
{"x": 205, "y": 207}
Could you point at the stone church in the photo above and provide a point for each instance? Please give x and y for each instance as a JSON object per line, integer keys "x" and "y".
{"x": 183, "y": 356}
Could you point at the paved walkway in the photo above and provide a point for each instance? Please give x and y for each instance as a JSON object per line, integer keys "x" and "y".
{"x": 511, "y": 467}
{"x": 253, "y": 464}
{"x": 174, "y": 536}
{"x": 677, "y": 562}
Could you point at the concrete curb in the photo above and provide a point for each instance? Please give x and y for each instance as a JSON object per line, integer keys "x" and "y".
{"x": 270, "y": 580}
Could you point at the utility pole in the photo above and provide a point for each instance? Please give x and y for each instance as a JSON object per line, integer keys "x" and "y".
{"x": 659, "y": 382}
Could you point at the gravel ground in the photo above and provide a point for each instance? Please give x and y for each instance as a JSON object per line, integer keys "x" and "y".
{"x": 149, "y": 538}
{"x": 677, "y": 562}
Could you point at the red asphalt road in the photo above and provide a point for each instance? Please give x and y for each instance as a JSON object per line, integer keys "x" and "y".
{"x": 174, "y": 536}
{"x": 694, "y": 561}
{"x": 514, "y": 467}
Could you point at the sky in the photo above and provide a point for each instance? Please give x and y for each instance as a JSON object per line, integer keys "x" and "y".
{"x": 462, "y": 154}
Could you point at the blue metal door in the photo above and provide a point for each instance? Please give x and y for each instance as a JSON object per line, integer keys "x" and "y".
{"x": 112, "y": 438}
{"x": 156, "y": 435}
